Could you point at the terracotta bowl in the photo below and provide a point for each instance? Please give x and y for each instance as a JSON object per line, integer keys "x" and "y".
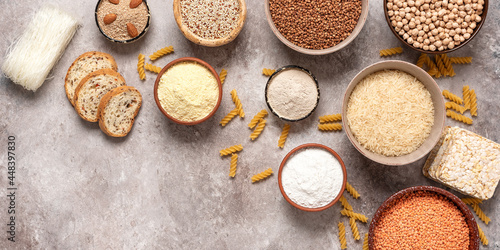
{"x": 210, "y": 42}
{"x": 349, "y": 39}
{"x": 476, "y": 30}
{"x": 275, "y": 74}
{"x": 312, "y": 145}
{"x": 469, "y": 217}
{"x": 437, "y": 100}
{"x": 187, "y": 59}
{"x": 129, "y": 40}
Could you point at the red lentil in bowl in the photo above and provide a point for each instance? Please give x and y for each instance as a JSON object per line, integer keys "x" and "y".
{"x": 423, "y": 217}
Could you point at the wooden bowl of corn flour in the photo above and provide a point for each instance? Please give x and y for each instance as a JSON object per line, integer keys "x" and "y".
{"x": 312, "y": 177}
{"x": 292, "y": 93}
{"x": 188, "y": 91}
{"x": 393, "y": 112}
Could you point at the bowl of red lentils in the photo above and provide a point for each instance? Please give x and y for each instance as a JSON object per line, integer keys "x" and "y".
{"x": 210, "y": 23}
{"x": 435, "y": 27}
{"x": 423, "y": 217}
{"x": 316, "y": 27}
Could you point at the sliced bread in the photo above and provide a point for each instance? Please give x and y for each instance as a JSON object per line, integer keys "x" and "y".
{"x": 118, "y": 109}
{"x": 92, "y": 88}
{"x": 85, "y": 64}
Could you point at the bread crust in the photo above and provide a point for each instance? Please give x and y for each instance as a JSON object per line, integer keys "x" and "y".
{"x": 104, "y": 102}
{"x": 76, "y": 100}
{"x": 67, "y": 86}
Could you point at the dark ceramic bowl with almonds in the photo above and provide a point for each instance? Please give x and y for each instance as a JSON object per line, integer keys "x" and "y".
{"x": 122, "y": 21}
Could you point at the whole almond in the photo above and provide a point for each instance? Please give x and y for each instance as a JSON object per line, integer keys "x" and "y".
{"x": 132, "y": 31}
{"x": 109, "y": 18}
{"x": 114, "y": 1}
{"x": 135, "y": 3}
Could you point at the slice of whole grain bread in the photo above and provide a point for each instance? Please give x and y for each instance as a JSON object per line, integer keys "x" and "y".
{"x": 118, "y": 109}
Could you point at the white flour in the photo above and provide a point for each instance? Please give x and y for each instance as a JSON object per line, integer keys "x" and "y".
{"x": 292, "y": 94}
{"x": 312, "y": 177}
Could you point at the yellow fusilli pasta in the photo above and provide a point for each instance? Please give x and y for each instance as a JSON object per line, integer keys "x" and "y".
{"x": 473, "y": 103}
{"x": 391, "y": 51}
{"x": 354, "y": 215}
{"x": 365, "y": 242}
{"x": 458, "y": 117}
{"x": 330, "y": 126}
{"x": 452, "y": 97}
{"x": 257, "y": 118}
{"x": 447, "y": 63}
{"x": 262, "y": 175}
{"x": 230, "y": 150}
{"x": 222, "y": 76}
{"x": 152, "y": 68}
{"x": 482, "y": 236}
{"x": 466, "y": 96}
{"x": 461, "y": 60}
{"x": 422, "y": 59}
{"x": 237, "y": 102}
{"x": 268, "y": 72}
{"x": 330, "y": 118}
{"x": 344, "y": 203}
{"x": 440, "y": 65}
{"x": 234, "y": 162}
{"x": 283, "y": 136}
{"x": 433, "y": 69}
{"x": 354, "y": 228}
{"x": 351, "y": 190}
{"x": 480, "y": 213}
{"x": 161, "y": 52}
{"x": 140, "y": 66}
{"x": 258, "y": 129}
{"x": 229, "y": 117}
{"x": 456, "y": 107}
{"x": 471, "y": 200}
{"x": 343, "y": 241}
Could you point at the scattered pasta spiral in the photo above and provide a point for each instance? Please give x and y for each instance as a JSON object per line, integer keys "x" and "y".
{"x": 140, "y": 66}
{"x": 230, "y": 150}
{"x": 257, "y": 118}
{"x": 354, "y": 228}
{"x": 391, "y": 51}
{"x": 268, "y": 72}
{"x": 354, "y": 215}
{"x": 473, "y": 103}
{"x": 262, "y": 175}
{"x": 343, "y": 241}
{"x": 365, "y": 242}
{"x": 458, "y": 117}
{"x": 466, "y": 95}
{"x": 433, "y": 69}
{"x": 229, "y": 117}
{"x": 482, "y": 236}
{"x": 447, "y": 62}
{"x": 461, "y": 60}
{"x": 283, "y": 136}
{"x": 441, "y": 66}
{"x": 351, "y": 190}
{"x": 345, "y": 204}
{"x": 161, "y": 52}
{"x": 330, "y": 118}
{"x": 480, "y": 213}
{"x": 422, "y": 59}
{"x": 237, "y": 102}
{"x": 330, "y": 126}
{"x": 456, "y": 107}
{"x": 452, "y": 97}
{"x": 258, "y": 130}
{"x": 222, "y": 76}
{"x": 152, "y": 68}
{"x": 234, "y": 162}
{"x": 471, "y": 200}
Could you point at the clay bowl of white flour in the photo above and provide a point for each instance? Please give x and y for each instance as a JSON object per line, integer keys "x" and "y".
{"x": 312, "y": 177}
{"x": 292, "y": 93}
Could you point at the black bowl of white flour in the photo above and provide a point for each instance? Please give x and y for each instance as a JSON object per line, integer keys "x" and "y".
{"x": 292, "y": 93}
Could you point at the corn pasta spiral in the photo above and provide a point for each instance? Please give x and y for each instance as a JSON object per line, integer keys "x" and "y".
{"x": 257, "y": 118}
{"x": 354, "y": 228}
{"x": 456, "y": 107}
{"x": 222, "y": 76}
{"x": 283, "y": 136}
{"x": 461, "y": 60}
{"x": 258, "y": 130}
{"x": 480, "y": 213}
{"x": 140, "y": 66}
{"x": 458, "y": 117}
{"x": 473, "y": 103}
{"x": 422, "y": 59}
{"x": 343, "y": 241}
{"x": 447, "y": 62}
{"x": 466, "y": 95}
{"x": 229, "y": 117}
{"x": 344, "y": 203}
{"x": 482, "y": 236}
{"x": 161, "y": 52}
{"x": 262, "y": 175}
{"x": 365, "y": 242}
{"x": 452, "y": 97}
{"x": 330, "y": 126}
{"x": 391, "y": 51}
{"x": 354, "y": 215}
{"x": 237, "y": 102}
{"x": 330, "y": 118}
{"x": 268, "y": 72}
{"x": 234, "y": 162}
{"x": 230, "y": 150}
{"x": 351, "y": 190}
{"x": 152, "y": 68}
{"x": 441, "y": 66}
{"x": 471, "y": 200}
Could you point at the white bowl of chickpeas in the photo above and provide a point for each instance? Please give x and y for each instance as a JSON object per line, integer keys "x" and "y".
{"x": 435, "y": 27}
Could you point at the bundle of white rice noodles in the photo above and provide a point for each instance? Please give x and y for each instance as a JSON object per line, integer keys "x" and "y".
{"x": 39, "y": 48}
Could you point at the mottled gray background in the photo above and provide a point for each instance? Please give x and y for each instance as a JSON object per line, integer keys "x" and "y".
{"x": 165, "y": 185}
